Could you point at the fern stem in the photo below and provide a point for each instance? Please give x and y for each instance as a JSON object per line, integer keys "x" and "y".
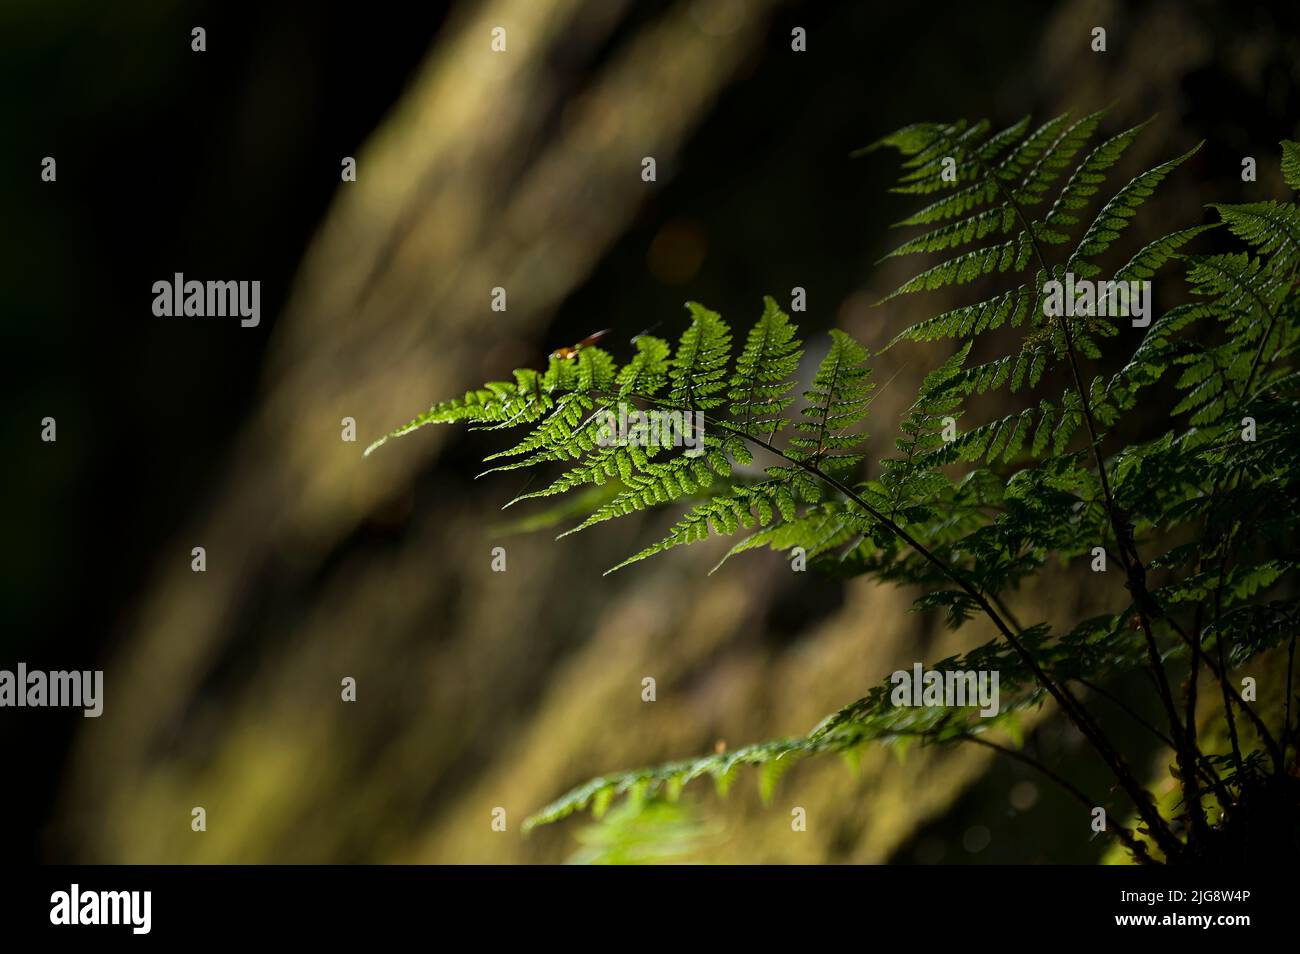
{"x": 1006, "y": 611}
{"x": 1278, "y": 753}
{"x": 1135, "y": 575}
{"x": 1125, "y": 708}
{"x": 1069, "y": 704}
{"x": 1127, "y": 550}
{"x": 1135, "y": 847}
{"x": 1138, "y": 850}
{"x": 1221, "y": 672}
{"x": 1198, "y": 655}
{"x": 1133, "y": 568}
{"x": 1230, "y": 693}
{"x": 1223, "y": 667}
{"x": 1204, "y": 768}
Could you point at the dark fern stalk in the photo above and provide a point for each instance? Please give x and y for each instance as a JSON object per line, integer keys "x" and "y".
{"x": 1044, "y": 155}
{"x": 1109, "y": 219}
{"x": 968, "y": 519}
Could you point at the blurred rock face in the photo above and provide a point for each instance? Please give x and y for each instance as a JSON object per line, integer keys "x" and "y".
{"x": 478, "y": 690}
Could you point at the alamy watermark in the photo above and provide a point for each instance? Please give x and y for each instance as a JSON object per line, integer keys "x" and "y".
{"x": 1101, "y": 299}
{"x": 130, "y": 908}
{"x": 632, "y": 426}
{"x": 946, "y": 688}
{"x": 37, "y": 689}
{"x": 194, "y": 299}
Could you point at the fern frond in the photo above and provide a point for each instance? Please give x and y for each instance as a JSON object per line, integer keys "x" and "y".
{"x": 1087, "y": 178}
{"x": 495, "y": 402}
{"x": 699, "y": 368}
{"x": 764, "y": 372}
{"x": 647, "y": 373}
{"x": 837, "y": 400}
{"x": 1010, "y": 169}
{"x": 1240, "y": 283}
{"x": 968, "y": 517}
{"x": 661, "y": 482}
{"x": 1059, "y": 156}
{"x": 1011, "y": 255}
{"x": 1149, "y": 259}
{"x": 726, "y": 514}
{"x": 1116, "y": 214}
{"x": 1270, "y": 228}
{"x": 817, "y": 529}
{"x": 1291, "y": 163}
{"x": 875, "y": 717}
{"x": 1014, "y": 307}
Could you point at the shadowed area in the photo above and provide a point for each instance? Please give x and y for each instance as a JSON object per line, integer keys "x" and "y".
{"x": 522, "y": 171}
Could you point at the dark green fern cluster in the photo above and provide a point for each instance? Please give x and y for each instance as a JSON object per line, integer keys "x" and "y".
{"x": 1197, "y": 518}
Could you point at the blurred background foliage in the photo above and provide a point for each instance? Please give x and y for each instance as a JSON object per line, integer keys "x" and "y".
{"x": 476, "y": 689}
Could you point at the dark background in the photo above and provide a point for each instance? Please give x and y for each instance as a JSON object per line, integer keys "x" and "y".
{"x": 223, "y": 164}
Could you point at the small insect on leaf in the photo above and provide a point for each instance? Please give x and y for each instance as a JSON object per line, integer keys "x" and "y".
{"x": 565, "y": 354}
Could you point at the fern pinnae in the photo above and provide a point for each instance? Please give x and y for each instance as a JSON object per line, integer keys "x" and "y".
{"x": 1268, "y": 227}
{"x": 1116, "y": 214}
{"x": 969, "y": 539}
{"x": 1152, "y": 256}
{"x": 838, "y": 399}
{"x": 1051, "y": 150}
{"x": 487, "y": 403}
{"x": 1055, "y": 160}
{"x": 700, "y": 364}
{"x": 764, "y": 370}
{"x": 1086, "y": 180}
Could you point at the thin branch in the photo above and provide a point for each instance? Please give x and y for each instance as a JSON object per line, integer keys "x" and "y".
{"x": 1138, "y": 850}
{"x": 1126, "y": 709}
{"x": 1204, "y": 768}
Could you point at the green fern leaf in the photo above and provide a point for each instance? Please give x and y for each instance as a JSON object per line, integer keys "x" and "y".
{"x": 1291, "y": 163}
{"x": 837, "y": 400}
{"x": 764, "y": 372}
{"x": 1116, "y": 214}
{"x": 699, "y": 368}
